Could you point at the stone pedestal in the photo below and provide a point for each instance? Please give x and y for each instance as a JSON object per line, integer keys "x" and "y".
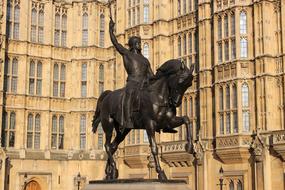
{"x": 137, "y": 184}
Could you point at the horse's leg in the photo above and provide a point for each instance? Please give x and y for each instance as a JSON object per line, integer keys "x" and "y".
{"x": 108, "y": 127}
{"x": 150, "y": 129}
{"x": 176, "y": 122}
{"x": 120, "y": 136}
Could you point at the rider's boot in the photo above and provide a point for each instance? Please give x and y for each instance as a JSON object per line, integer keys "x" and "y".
{"x": 127, "y": 120}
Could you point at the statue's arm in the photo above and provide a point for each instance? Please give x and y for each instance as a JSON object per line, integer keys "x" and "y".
{"x": 114, "y": 41}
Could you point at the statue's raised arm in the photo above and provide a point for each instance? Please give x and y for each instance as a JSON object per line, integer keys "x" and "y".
{"x": 116, "y": 44}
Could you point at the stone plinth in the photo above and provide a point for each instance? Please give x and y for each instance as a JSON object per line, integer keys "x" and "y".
{"x": 137, "y": 184}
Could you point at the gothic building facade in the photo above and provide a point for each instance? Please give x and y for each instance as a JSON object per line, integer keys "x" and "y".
{"x": 57, "y": 58}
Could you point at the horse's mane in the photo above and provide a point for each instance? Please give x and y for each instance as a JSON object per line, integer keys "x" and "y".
{"x": 171, "y": 66}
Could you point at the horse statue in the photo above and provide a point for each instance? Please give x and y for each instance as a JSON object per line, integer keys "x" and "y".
{"x": 156, "y": 110}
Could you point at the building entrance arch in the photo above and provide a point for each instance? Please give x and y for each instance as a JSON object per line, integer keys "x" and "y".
{"x": 33, "y": 185}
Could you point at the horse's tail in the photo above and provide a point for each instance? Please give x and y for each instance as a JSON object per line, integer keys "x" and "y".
{"x": 96, "y": 118}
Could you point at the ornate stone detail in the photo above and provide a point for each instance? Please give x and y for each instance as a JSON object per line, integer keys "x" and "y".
{"x": 278, "y": 143}
{"x": 136, "y": 156}
{"x": 199, "y": 150}
{"x": 257, "y": 147}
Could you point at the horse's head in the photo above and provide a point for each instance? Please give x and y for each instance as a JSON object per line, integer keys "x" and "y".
{"x": 179, "y": 78}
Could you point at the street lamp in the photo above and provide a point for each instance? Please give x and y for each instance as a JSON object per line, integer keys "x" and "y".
{"x": 78, "y": 179}
{"x": 221, "y": 172}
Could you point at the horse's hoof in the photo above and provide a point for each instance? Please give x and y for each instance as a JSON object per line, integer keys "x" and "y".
{"x": 115, "y": 174}
{"x": 162, "y": 176}
{"x": 189, "y": 148}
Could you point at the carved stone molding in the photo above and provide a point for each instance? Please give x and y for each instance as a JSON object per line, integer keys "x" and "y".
{"x": 137, "y": 156}
{"x": 257, "y": 147}
{"x": 278, "y": 143}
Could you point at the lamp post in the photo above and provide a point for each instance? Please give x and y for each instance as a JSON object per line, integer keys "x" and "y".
{"x": 78, "y": 179}
{"x": 221, "y": 172}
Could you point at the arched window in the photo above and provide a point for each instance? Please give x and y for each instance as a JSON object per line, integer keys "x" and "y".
{"x": 179, "y": 7}
{"x": 57, "y": 30}
{"x": 32, "y": 77}
{"x": 231, "y": 186}
{"x": 54, "y": 132}
{"x": 9, "y": 20}
{"x": 190, "y": 5}
{"x": 102, "y": 30}
{"x": 16, "y": 22}
{"x": 41, "y": 27}
{"x": 184, "y": 7}
{"x": 226, "y": 48}
{"x": 62, "y": 80}
{"x": 37, "y": 132}
{"x": 55, "y": 79}
{"x": 184, "y": 44}
{"x": 9, "y": 131}
{"x": 243, "y": 48}
{"x": 34, "y": 25}
{"x": 61, "y": 132}
{"x": 63, "y": 30}
{"x": 228, "y": 123}
{"x": 84, "y": 80}
{"x": 85, "y": 29}
{"x": 146, "y": 12}
{"x": 233, "y": 24}
{"x": 82, "y": 131}
{"x": 228, "y": 99}
{"x": 234, "y": 96}
{"x": 191, "y": 108}
{"x": 233, "y": 48}
{"x": 226, "y": 26}
{"x": 185, "y": 106}
{"x": 101, "y": 78}
{"x": 234, "y": 105}
{"x": 221, "y": 99}
{"x": 245, "y": 95}
{"x": 179, "y": 46}
{"x": 190, "y": 44}
{"x": 14, "y": 75}
{"x": 146, "y": 50}
{"x": 30, "y": 131}
{"x": 220, "y": 53}
{"x": 221, "y": 123}
{"x": 239, "y": 185}
{"x": 219, "y": 28}
{"x": 243, "y": 22}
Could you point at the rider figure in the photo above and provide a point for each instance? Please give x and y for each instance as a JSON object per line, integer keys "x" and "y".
{"x": 137, "y": 67}
{"x": 138, "y": 70}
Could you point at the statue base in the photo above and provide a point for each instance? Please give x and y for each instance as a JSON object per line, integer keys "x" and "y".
{"x": 137, "y": 184}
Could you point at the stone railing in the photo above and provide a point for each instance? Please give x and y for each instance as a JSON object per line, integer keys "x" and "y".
{"x": 136, "y": 150}
{"x": 278, "y": 137}
{"x": 231, "y": 141}
{"x": 174, "y": 146}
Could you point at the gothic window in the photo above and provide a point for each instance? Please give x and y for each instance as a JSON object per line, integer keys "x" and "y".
{"x": 243, "y": 23}
{"x": 100, "y": 137}
{"x": 101, "y": 78}
{"x": 146, "y": 50}
{"x": 221, "y": 99}
{"x": 220, "y": 52}
{"x": 234, "y": 96}
{"x": 35, "y": 78}
{"x": 245, "y": 95}
{"x": 179, "y": 46}
{"x": 102, "y": 30}
{"x": 228, "y": 123}
{"x": 226, "y": 49}
{"x": 233, "y": 24}
{"x": 82, "y": 131}
{"x": 63, "y": 30}
{"x": 185, "y": 106}
{"x": 41, "y": 27}
{"x": 14, "y": 75}
{"x": 245, "y": 121}
{"x": 57, "y": 30}
{"x": 219, "y": 28}
{"x": 32, "y": 77}
{"x": 221, "y": 124}
{"x": 231, "y": 186}
{"x": 34, "y": 25}
{"x": 146, "y": 12}
{"x": 84, "y": 80}
{"x": 233, "y": 49}
{"x": 190, "y": 44}
{"x": 145, "y": 137}
{"x": 234, "y": 105}
{"x": 184, "y": 44}
{"x": 228, "y": 99}
{"x": 129, "y": 17}
{"x": 138, "y": 137}
{"x": 33, "y": 131}
{"x": 9, "y": 20}
{"x": 9, "y": 129}
{"x": 134, "y": 16}
{"x": 239, "y": 185}
{"x": 179, "y": 7}
{"x": 226, "y": 26}
{"x": 190, "y": 5}
{"x": 62, "y": 80}
{"x": 54, "y": 132}
{"x": 191, "y": 108}
{"x": 243, "y": 48}
{"x": 55, "y": 79}
{"x": 39, "y": 78}
{"x": 138, "y": 15}
{"x": 16, "y": 22}
{"x": 85, "y": 29}
{"x": 184, "y": 7}
{"x": 61, "y": 132}
{"x": 133, "y": 137}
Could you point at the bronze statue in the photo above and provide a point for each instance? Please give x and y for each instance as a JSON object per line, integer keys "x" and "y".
{"x": 152, "y": 109}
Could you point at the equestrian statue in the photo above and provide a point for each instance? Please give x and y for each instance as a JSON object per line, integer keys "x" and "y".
{"x": 147, "y": 102}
